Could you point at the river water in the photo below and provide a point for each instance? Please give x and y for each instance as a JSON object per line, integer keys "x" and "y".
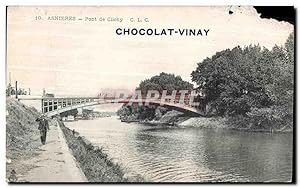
{"x": 168, "y": 154}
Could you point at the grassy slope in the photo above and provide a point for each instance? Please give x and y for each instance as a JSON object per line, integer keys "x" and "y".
{"x": 22, "y": 136}
{"x": 95, "y": 164}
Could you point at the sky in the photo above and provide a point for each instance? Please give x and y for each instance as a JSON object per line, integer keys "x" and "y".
{"x": 83, "y": 58}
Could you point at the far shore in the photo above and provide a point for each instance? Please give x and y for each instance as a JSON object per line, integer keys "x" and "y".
{"x": 201, "y": 122}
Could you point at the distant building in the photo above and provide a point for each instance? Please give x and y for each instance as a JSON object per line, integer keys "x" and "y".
{"x": 47, "y": 94}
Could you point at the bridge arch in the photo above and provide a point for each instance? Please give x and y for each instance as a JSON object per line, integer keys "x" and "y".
{"x": 54, "y": 106}
{"x": 175, "y": 106}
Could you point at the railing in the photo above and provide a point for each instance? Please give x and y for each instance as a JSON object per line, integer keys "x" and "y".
{"x": 50, "y": 104}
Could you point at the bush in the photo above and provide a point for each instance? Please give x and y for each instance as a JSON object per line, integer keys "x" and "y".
{"x": 275, "y": 117}
{"x": 238, "y": 122}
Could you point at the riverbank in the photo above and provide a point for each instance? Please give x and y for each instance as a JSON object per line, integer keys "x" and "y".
{"x": 65, "y": 157}
{"x": 27, "y": 160}
{"x": 22, "y": 137}
{"x": 159, "y": 116}
{"x": 94, "y": 163}
{"x": 163, "y": 117}
{"x": 216, "y": 123}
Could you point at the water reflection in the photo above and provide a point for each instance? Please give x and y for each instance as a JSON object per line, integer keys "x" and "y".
{"x": 189, "y": 154}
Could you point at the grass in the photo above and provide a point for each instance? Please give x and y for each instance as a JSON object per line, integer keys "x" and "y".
{"x": 95, "y": 164}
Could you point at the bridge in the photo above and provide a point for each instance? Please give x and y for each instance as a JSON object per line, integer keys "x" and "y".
{"x": 52, "y": 106}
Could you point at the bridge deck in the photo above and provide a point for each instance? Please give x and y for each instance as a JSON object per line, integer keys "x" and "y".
{"x": 53, "y": 106}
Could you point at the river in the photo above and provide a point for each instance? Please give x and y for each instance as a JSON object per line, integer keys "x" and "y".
{"x": 168, "y": 154}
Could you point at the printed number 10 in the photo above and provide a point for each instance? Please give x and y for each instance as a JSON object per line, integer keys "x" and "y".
{"x": 38, "y": 18}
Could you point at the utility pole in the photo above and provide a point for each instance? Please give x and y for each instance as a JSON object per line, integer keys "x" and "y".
{"x": 16, "y": 89}
{"x": 10, "y": 78}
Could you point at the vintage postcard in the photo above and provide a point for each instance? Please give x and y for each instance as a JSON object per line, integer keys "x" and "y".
{"x": 150, "y": 94}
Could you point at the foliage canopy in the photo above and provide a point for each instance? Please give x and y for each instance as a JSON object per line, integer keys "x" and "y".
{"x": 239, "y": 80}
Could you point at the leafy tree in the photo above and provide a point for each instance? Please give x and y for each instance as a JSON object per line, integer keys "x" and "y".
{"x": 164, "y": 81}
{"x": 235, "y": 81}
{"x": 160, "y": 82}
{"x": 11, "y": 91}
{"x": 124, "y": 111}
{"x": 230, "y": 80}
{"x": 281, "y": 90}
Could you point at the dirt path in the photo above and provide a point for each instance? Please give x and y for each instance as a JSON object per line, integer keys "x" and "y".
{"x": 54, "y": 161}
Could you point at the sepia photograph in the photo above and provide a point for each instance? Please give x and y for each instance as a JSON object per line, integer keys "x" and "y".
{"x": 150, "y": 94}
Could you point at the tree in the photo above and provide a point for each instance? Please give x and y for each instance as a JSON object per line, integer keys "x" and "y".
{"x": 9, "y": 90}
{"x": 164, "y": 81}
{"x": 234, "y": 81}
{"x": 281, "y": 90}
{"x": 230, "y": 80}
{"x": 124, "y": 111}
